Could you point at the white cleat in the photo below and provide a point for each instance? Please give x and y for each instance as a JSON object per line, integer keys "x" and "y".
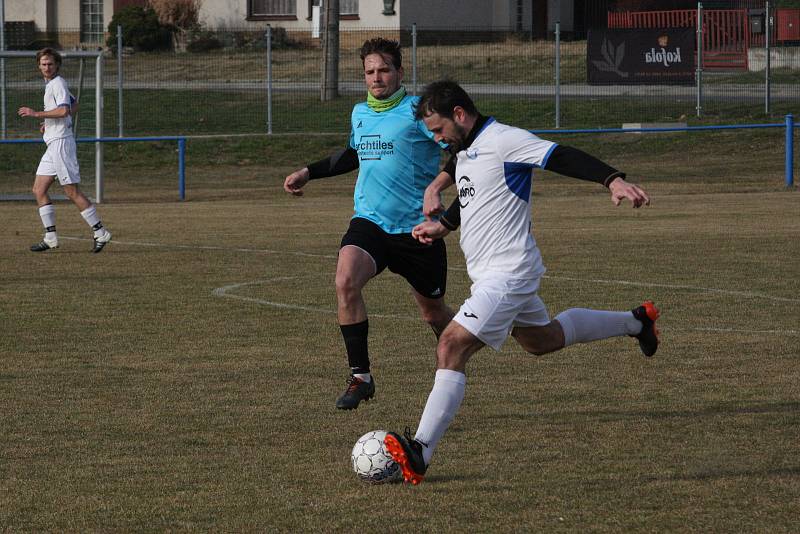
{"x": 100, "y": 242}
{"x": 44, "y": 244}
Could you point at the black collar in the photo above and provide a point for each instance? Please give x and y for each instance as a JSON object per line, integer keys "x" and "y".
{"x": 476, "y": 128}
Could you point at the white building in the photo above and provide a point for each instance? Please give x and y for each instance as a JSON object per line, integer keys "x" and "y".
{"x": 85, "y": 22}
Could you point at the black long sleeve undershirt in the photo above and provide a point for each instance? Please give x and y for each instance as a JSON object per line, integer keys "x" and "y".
{"x": 563, "y": 160}
{"x": 340, "y": 162}
{"x": 578, "y": 164}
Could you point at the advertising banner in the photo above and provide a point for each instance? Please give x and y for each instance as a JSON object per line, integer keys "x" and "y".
{"x": 641, "y": 56}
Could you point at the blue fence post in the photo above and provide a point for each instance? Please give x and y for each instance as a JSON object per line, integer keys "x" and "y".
{"x": 182, "y": 168}
{"x": 789, "y": 150}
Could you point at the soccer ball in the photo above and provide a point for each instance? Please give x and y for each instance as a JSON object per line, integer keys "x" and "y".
{"x": 371, "y": 462}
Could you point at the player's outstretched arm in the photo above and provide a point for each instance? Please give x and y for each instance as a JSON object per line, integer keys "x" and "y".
{"x": 58, "y": 113}
{"x": 427, "y": 232}
{"x": 578, "y": 164}
{"x": 620, "y": 190}
{"x": 340, "y": 162}
{"x": 25, "y": 111}
{"x": 294, "y": 182}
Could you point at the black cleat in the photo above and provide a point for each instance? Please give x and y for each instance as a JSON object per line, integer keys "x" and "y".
{"x": 407, "y": 452}
{"x": 43, "y": 245}
{"x": 647, "y": 314}
{"x": 357, "y": 390}
{"x": 100, "y": 242}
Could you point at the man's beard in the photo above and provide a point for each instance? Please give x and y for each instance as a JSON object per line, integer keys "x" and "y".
{"x": 459, "y": 143}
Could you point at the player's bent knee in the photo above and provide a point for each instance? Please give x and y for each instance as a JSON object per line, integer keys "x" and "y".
{"x": 448, "y": 352}
{"x": 345, "y": 285}
{"x": 437, "y": 318}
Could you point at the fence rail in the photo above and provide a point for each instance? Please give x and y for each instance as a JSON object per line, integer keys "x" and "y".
{"x": 240, "y": 85}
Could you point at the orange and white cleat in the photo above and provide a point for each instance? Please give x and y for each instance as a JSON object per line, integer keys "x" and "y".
{"x": 407, "y": 452}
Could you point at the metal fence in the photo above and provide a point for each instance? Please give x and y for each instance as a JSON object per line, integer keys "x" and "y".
{"x": 231, "y": 82}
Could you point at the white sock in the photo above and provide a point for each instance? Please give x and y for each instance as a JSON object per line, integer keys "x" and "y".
{"x": 366, "y": 377}
{"x": 443, "y": 404}
{"x": 582, "y": 326}
{"x": 93, "y": 219}
{"x": 48, "y": 215}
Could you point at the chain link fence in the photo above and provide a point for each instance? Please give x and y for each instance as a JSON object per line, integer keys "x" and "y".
{"x": 230, "y": 82}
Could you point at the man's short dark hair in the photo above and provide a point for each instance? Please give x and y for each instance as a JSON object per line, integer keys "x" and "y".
{"x": 384, "y": 47}
{"x": 442, "y": 97}
{"x": 49, "y": 52}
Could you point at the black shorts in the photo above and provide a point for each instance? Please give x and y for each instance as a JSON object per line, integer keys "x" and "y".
{"x": 424, "y": 266}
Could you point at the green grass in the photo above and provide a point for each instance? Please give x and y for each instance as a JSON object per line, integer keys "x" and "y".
{"x": 190, "y": 112}
{"x": 134, "y": 398}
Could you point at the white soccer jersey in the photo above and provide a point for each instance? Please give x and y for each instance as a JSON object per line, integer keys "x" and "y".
{"x": 56, "y": 93}
{"x": 493, "y": 177}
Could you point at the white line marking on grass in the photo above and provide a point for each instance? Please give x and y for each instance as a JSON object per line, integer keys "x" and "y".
{"x": 225, "y": 291}
{"x": 737, "y": 331}
{"x": 749, "y": 294}
{"x": 209, "y": 247}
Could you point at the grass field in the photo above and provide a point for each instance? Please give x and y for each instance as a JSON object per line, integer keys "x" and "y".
{"x": 184, "y": 379}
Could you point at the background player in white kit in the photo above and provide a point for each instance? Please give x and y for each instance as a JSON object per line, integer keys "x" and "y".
{"x": 494, "y": 174}
{"x": 60, "y": 160}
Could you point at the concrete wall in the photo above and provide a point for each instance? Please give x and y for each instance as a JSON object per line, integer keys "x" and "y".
{"x": 233, "y": 14}
{"x": 467, "y": 14}
{"x": 463, "y": 14}
{"x": 779, "y": 58}
{"x": 222, "y": 14}
{"x": 25, "y": 10}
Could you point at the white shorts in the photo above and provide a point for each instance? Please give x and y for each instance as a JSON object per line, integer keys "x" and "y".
{"x": 497, "y": 305}
{"x": 61, "y": 160}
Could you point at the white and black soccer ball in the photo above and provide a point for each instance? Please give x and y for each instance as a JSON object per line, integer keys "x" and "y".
{"x": 371, "y": 462}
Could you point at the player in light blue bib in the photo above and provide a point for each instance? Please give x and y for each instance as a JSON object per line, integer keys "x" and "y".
{"x": 397, "y": 158}
{"x": 397, "y": 161}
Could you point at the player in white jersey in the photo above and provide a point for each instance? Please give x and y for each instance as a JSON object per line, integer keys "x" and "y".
{"x": 494, "y": 165}
{"x": 60, "y": 160}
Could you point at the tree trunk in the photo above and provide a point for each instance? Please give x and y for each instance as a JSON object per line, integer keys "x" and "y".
{"x": 330, "y": 51}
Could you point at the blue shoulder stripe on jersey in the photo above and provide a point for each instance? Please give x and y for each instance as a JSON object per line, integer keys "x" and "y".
{"x": 489, "y": 121}
{"x": 547, "y": 156}
{"x": 518, "y": 178}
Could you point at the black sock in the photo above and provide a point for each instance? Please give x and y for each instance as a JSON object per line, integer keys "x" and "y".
{"x": 355, "y": 341}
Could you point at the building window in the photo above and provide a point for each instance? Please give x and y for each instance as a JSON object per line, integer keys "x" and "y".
{"x": 92, "y": 21}
{"x": 271, "y": 9}
{"x": 348, "y": 9}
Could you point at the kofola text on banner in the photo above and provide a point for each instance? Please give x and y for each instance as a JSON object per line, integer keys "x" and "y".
{"x": 663, "y": 54}
{"x": 640, "y": 56}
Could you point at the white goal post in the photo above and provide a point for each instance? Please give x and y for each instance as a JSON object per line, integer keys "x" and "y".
{"x": 98, "y": 96}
